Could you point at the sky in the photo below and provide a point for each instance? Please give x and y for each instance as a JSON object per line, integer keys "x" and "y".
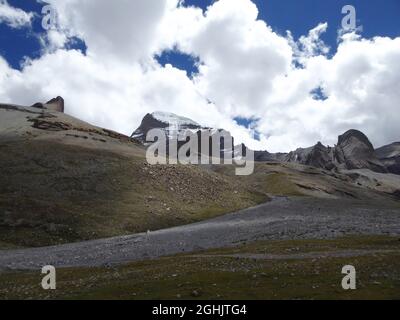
{"x": 278, "y": 74}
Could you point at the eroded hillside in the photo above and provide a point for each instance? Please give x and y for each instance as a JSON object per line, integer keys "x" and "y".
{"x": 63, "y": 180}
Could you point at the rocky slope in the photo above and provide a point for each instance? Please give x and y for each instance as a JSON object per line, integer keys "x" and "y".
{"x": 390, "y": 156}
{"x": 64, "y": 180}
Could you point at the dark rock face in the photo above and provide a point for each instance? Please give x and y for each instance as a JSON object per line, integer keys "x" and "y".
{"x": 56, "y": 104}
{"x": 38, "y": 105}
{"x": 318, "y": 156}
{"x": 173, "y": 125}
{"x": 390, "y": 156}
{"x": 49, "y": 125}
{"x": 353, "y": 151}
{"x": 321, "y": 157}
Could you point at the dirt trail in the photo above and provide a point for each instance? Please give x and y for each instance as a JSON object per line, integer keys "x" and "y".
{"x": 282, "y": 218}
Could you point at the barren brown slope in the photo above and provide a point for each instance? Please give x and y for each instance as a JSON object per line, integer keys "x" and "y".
{"x": 63, "y": 180}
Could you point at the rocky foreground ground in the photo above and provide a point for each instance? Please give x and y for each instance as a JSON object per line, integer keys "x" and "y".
{"x": 283, "y": 219}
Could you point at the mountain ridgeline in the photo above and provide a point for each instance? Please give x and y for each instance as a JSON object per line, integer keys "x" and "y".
{"x": 353, "y": 150}
{"x": 64, "y": 180}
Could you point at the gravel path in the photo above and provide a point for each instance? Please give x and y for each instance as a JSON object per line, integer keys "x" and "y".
{"x": 281, "y": 218}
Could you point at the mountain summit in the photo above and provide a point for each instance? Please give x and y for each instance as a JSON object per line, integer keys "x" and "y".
{"x": 170, "y": 122}
{"x": 55, "y": 104}
{"x": 355, "y": 151}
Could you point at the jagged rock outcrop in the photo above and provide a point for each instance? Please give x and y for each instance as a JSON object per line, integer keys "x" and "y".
{"x": 55, "y": 104}
{"x": 353, "y": 151}
{"x": 318, "y": 156}
{"x": 390, "y": 156}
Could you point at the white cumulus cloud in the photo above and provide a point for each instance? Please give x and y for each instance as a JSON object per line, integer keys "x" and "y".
{"x": 245, "y": 70}
{"x": 14, "y": 17}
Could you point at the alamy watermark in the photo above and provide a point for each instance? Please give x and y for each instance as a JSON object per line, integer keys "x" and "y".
{"x": 193, "y": 147}
{"x": 49, "y": 280}
{"x": 349, "y": 281}
{"x": 49, "y": 20}
{"x": 349, "y": 21}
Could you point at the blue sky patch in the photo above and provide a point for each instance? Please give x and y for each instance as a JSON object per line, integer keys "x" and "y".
{"x": 318, "y": 94}
{"x": 75, "y": 43}
{"x": 249, "y": 123}
{"x": 179, "y": 60}
{"x": 16, "y": 44}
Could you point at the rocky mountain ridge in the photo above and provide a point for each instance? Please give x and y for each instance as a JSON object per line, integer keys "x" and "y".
{"x": 176, "y": 126}
{"x": 353, "y": 150}
{"x": 389, "y": 155}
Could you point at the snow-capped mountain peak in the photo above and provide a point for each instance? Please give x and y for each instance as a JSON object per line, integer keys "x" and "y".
{"x": 170, "y": 122}
{"x": 173, "y": 119}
